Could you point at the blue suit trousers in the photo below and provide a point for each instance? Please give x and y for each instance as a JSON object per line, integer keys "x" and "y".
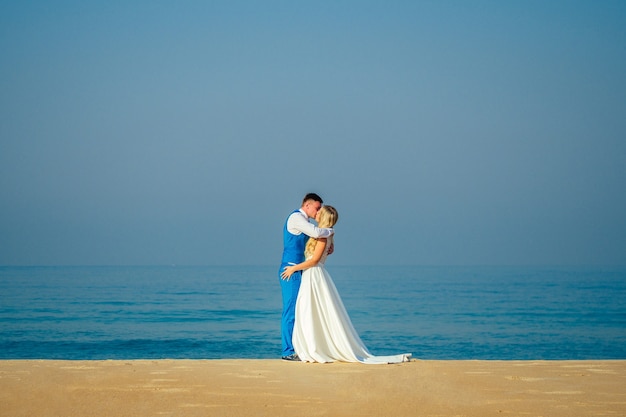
{"x": 290, "y": 295}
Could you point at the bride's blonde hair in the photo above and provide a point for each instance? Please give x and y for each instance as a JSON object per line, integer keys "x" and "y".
{"x": 328, "y": 218}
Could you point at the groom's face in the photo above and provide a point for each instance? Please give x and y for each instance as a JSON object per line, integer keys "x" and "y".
{"x": 311, "y": 208}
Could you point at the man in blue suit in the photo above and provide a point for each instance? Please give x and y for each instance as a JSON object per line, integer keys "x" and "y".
{"x": 296, "y": 232}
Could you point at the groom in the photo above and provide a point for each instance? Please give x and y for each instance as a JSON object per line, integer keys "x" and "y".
{"x": 296, "y": 232}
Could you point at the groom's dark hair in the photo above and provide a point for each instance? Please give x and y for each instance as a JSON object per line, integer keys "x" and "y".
{"x": 312, "y": 196}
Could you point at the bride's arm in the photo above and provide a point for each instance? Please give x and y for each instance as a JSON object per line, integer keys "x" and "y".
{"x": 317, "y": 255}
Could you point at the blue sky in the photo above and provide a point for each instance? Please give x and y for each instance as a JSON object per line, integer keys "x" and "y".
{"x": 444, "y": 132}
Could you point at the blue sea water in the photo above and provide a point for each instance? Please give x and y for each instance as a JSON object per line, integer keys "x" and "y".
{"x": 234, "y": 312}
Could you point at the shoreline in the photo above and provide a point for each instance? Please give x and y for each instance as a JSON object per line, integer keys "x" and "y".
{"x": 253, "y": 387}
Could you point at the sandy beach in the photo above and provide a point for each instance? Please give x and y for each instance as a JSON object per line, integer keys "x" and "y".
{"x": 277, "y": 388}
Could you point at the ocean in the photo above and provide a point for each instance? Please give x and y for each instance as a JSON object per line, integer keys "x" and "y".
{"x": 472, "y": 312}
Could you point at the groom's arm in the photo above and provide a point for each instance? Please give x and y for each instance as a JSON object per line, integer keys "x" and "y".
{"x": 297, "y": 224}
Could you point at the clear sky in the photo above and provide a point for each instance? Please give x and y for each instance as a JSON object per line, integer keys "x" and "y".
{"x": 184, "y": 132}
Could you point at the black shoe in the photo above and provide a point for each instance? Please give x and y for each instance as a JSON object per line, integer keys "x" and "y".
{"x": 293, "y": 357}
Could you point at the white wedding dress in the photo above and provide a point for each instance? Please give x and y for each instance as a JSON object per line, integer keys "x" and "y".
{"x": 323, "y": 331}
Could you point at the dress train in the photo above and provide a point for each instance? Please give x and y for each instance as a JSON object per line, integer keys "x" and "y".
{"x": 323, "y": 331}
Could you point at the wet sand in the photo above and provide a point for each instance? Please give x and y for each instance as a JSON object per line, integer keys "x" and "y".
{"x": 276, "y": 388}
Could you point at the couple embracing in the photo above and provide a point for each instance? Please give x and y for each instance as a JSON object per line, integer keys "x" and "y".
{"x": 315, "y": 326}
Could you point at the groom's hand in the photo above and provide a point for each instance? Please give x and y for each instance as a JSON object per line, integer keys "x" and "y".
{"x": 331, "y": 249}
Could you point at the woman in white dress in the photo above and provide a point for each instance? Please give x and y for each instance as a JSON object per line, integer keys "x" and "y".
{"x": 323, "y": 331}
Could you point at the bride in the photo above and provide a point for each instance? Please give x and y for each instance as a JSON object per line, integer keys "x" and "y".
{"x": 323, "y": 331}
